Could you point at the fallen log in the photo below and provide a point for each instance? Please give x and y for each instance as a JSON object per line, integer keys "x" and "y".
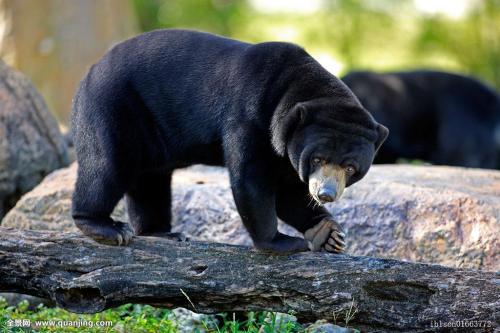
{"x": 389, "y": 295}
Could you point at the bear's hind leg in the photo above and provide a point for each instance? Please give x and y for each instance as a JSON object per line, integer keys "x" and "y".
{"x": 96, "y": 194}
{"x": 149, "y": 205}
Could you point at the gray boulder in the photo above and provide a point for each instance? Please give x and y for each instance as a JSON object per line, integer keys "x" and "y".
{"x": 444, "y": 215}
{"x": 31, "y": 145}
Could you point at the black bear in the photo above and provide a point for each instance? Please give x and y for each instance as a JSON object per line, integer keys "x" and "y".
{"x": 439, "y": 117}
{"x": 288, "y": 131}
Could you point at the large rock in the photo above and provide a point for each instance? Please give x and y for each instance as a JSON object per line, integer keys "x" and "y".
{"x": 434, "y": 214}
{"x": 31, "y": 145}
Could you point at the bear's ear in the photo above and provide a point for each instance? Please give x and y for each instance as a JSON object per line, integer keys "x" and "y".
{"x": 284, "y": 123}
{"x": 382, "y": 132}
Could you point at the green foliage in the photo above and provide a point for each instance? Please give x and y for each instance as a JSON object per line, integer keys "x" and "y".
{"x": 127, "y": 318}
{"x": 379, "y": 35}
{"x": 473, "y": 42}
{"x": 137, "y": 318}
{"x": 218, "y": 16}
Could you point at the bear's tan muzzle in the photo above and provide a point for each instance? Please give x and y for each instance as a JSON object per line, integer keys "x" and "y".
{"x": 327, "y": 183}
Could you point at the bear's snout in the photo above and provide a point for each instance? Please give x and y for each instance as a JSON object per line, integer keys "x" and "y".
{"x": 327, "y": 193}
{"x": 327, "y": 183}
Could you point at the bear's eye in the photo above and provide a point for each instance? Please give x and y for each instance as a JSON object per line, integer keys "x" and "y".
{"x": 317, "y": 160}
{"x": 350, "y": 170}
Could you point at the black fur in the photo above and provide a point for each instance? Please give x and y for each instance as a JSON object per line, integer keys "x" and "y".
{"x": 438, "y": 117}
{"x": 171, "y": 98}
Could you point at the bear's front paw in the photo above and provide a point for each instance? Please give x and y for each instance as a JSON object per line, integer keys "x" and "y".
{"x": 327, "y": 235}
{"x": 114, "y": 233}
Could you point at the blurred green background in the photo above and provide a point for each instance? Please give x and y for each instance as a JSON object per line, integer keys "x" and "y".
{"x": 55, "y": 41}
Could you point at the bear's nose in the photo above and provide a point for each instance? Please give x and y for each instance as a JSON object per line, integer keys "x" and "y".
{"x": 327, "y": 194}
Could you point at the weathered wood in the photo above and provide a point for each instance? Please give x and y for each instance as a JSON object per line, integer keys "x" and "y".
{"x": 443, "y": 215}
{"x": 83, "y": 276}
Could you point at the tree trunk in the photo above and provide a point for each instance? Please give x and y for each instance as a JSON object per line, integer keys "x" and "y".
{"x": 83, "y": 276}
{"x": 55, "y": 42}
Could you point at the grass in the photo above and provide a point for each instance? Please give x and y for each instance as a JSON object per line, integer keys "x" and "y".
{"x": 138, "y": 318}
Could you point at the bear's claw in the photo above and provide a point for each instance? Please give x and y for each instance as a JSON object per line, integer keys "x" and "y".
{"x": 115, "y": 233}
{"x": 326, "y": 235}
{"x": 118, "y": 233}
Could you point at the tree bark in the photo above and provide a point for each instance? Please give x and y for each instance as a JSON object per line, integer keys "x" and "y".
{"x": 83, "y": 276}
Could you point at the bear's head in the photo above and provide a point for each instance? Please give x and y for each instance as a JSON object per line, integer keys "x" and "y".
{"x": 331, "y": 143}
